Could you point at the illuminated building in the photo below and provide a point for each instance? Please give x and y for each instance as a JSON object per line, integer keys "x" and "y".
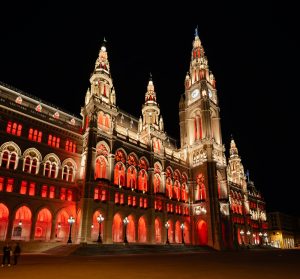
{"x": 55, "y": 165}
{"x": 283, "y": 230}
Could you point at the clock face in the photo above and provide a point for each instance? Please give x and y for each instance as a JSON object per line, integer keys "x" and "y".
{"x": 210, "y": 93}
{"x": 195, "y": 93}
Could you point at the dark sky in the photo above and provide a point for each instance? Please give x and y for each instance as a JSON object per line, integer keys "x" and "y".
{"x": 49, "y": 50}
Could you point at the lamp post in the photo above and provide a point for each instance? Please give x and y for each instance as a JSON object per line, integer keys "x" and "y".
{"x": 71, "y": 221}
{"x": 125, "y": 221}
{"x": 182, "y": 228}
{"x": 167, "y": 225}
{"x": 266, "y": 238}
{"x": 260, "y": 238}
{"x": 242, "y": 235}
{"x": 100, "y": 219}
{"x": 248, "y": 234}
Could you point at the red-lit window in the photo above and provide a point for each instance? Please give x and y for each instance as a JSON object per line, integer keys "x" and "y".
{"x": 129, "y": 200}
{"x": 133, "y": 201}
{"x": 141, "y": 202}
{"x": 62, "y": 195}
{"x": 12, "y": 161}
{"x": 14, "y": 128}
{"x": 1, "y": 183}
{"x": 52, "y": 192}
{"x": 35, "y": 135}
{"x": 96, "y": 194}
{"x": 117, "y": 197}
{"x": 70, "y": 146}
{"x": 121, "y": 198}
{"x": 69, "y": 195}
{"x": 44, "y": 191}
{"x": 53, "y": 141}
{"x": 103, "y": 195}
{"x": 4, "y": 159}
{"x": 145, "y": 203}
{"x": 53, "y": 171}
{"x": 9, "y": 185}
{"x": 31, "y": 189}
{"x": 23, "y": 188}
{"x": 47, "y": 169}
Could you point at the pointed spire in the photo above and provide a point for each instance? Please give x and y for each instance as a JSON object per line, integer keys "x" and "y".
{"x": 196, "y": 32}
{"x": 233, "y": 149}
{"x": 102, "y": 63}
{"x": 150, "y": 94}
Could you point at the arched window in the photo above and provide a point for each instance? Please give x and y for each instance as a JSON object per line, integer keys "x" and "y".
{"x": 200, "y": 188}
{"x": 4, "y": 214}
{"x": 131, "y": 177}
{"x": 142, "y": 230}
{"x": 130, "y": 229}
{"x": 202, "y": 233}
{"x": 117, "y": 229}
{"x": 43, "y": 225}
{"x": 157, "y": 183}
{"x": 9, "y": 155}
{"x": 169, "y": 187}
{"x": 22, "y": 224}
{"x": 157, "y": 225}
{"x": 69, "y": 167}
{"x": 51, "y": 165}
{"x": 143, "y": 181}
{"x": 119, "y": 174}
{"x": 177, "y": 190}
{"x": 101, "y": 167}
{"x": 62, "y": 226}
{"x": 184, "y": 192}
{"x": 178, "y": 233}
{"x": 32, "y": 160}
{"x": 171, "y": 231}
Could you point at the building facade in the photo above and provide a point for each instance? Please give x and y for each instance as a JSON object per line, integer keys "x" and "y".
{"x": 284, "y": 230}
{"x": 124, "y": 169}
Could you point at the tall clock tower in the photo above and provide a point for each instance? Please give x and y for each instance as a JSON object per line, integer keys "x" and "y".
{"x": 200, "y": 136}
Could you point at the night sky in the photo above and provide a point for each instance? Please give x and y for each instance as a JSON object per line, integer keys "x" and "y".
{"x": 49, "y": 50}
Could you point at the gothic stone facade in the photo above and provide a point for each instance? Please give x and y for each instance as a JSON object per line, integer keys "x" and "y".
{"x": 110, "y": 164}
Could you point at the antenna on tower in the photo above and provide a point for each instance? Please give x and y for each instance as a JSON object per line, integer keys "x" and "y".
{"x": 196, "y": 31}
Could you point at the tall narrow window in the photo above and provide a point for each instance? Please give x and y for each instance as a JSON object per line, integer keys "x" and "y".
{"x": 52, "y": 192}
{"x": 69, "y": 195}
{"x": 9, "y": 127}
{"x": 4, "y": 159}
{"x": 96, "y": 194}
{"x": 23, "y": 188}
{"x": 44, "y": 191}
{"x": 31, "y": 189}
{"x": 30, "y": 133}
{"x": 9, "y": 185}
{"x": 12, "y": 161}
{"x": 62, "y": 194}
{"x": 1, "y": 183}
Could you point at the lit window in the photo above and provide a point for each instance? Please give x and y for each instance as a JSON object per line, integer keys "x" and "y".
{"x": 69, "y": 195}
{"x": 44, "y": 191}
{"x": 23, "y": 188}
{"x": 121, "y": 198}
{"x": 117, "y": 197}
{"x": 31, "y": 189}
{"x": 53, "y": 141}
{"x": 96, "y": 194}
{"x": 1, "y": 183}
{"x": 62, "y": 194}
{"x": 103, "y": 195}
{"x": 9, "y": 185}
{"x": 52, "y": 192}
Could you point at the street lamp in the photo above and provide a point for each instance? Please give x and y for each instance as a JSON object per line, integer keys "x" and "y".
{"x": 100, "y": 219}
{"x": 167, "y": 225}
{"x": 71, "y": 221}
{"x": 248, "y": 234}
{"x": 182, "y": 228}
{"x": 242, "y": 235}
{"x": 20, "y": 223}
{"x": 266, "y": 238}
{"x": 125, "y": 221}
